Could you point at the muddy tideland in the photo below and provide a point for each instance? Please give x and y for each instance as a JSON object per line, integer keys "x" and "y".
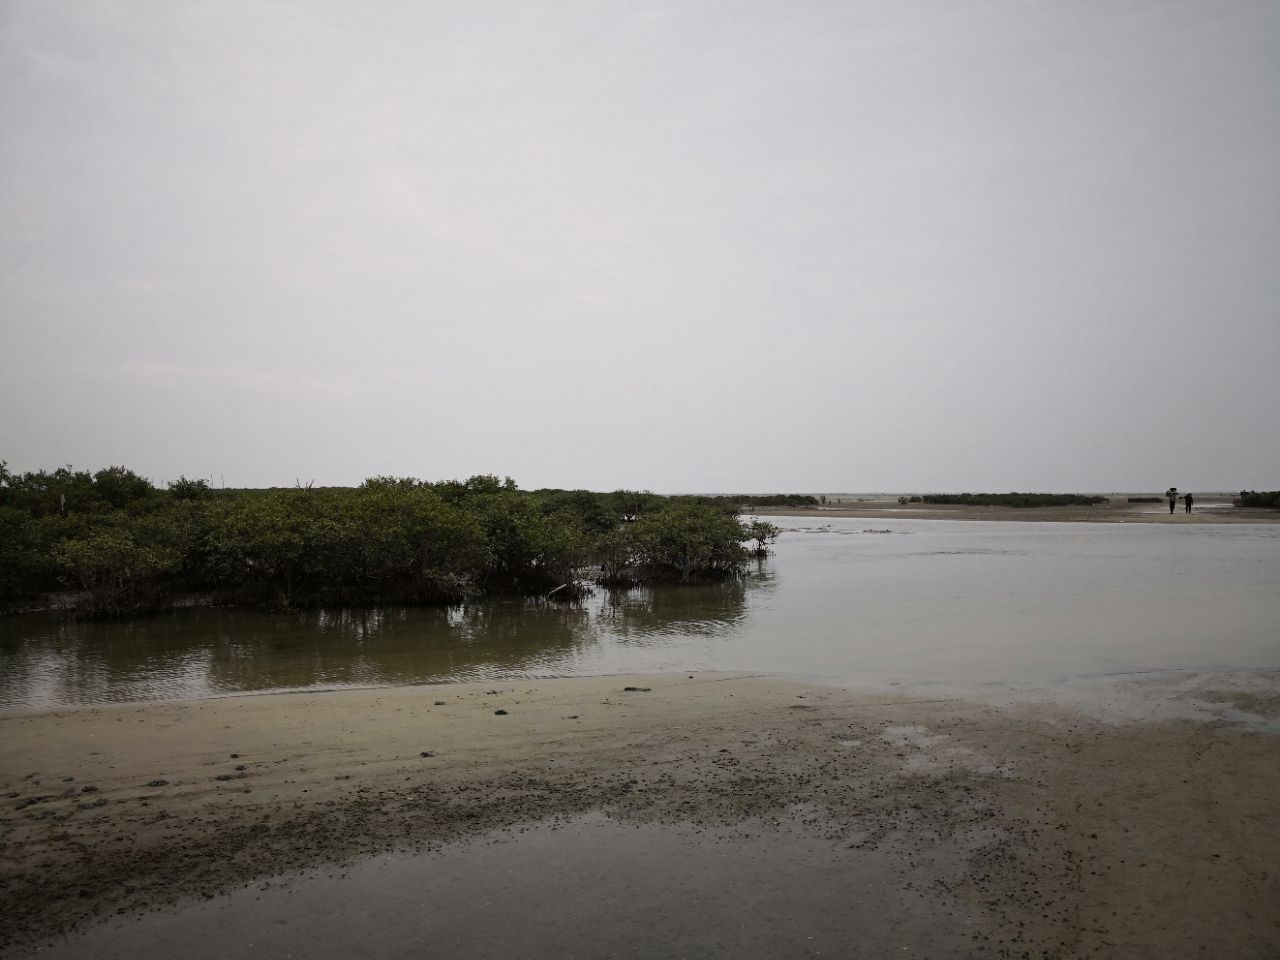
{"x": 1208, "y": 508}
{"x": 682, "y": 816}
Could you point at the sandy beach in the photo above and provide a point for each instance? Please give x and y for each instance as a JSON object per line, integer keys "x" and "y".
{"x": 1051, "y": 829}
{"x": 1208, "y": 508}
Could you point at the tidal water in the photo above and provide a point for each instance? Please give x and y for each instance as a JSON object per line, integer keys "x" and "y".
{"x": 587, "y": 886}
{"x": 874, "y": 602}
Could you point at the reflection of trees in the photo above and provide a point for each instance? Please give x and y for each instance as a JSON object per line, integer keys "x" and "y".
{"x": 403, "y": 645}
{"x": 516, "y": 636}
{"x": 760, "y": 578}
{"x": 45, "y": 677}
{"x": 663, "y": 611}
{"x": 47, "y": 660}
{"x": 520, "y": 624}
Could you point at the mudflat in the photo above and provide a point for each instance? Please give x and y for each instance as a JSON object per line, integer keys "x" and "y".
{"x": 1117, "y": 509}
{"x": 961, "y": 827}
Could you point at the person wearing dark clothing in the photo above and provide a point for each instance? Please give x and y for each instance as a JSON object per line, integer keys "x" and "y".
{"x": 1190, "y": 500}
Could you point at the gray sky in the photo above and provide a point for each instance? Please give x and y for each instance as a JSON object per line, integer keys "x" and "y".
{"x": 685, "y": 246}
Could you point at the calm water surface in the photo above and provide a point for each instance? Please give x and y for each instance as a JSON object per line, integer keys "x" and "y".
{"x": 927, "y": 601}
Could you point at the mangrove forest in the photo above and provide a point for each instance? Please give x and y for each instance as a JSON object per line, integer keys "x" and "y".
{"x": 111, "y": 542}
{"x": 1268, "y": 499}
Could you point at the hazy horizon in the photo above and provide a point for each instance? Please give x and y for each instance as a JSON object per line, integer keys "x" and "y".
{"x": 218, "y": 482}
{"x": 892, "y": 245}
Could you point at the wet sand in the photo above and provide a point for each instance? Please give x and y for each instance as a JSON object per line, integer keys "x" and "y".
{"x": 704, "y": 812}
{"x": 1207, "y": 509}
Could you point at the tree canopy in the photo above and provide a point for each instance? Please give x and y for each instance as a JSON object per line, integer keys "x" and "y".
{"x": 124, "y": 545}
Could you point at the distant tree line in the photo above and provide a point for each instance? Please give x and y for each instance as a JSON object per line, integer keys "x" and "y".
{"x": 1254, "y": 498}
{"x": 123, "y": 545}
{"x": 752, "y": 501}
{"x": 1013, "y": 499}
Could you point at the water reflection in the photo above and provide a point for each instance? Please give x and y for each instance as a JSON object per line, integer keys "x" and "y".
{"x": 936, "y": 602}
{"x": 47, "y": 660}
{"x": 640, "y": 615}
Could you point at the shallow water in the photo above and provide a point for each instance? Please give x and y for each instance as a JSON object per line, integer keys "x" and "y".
{"x": 588, "y": 886}
{"x": 852, "y": 600}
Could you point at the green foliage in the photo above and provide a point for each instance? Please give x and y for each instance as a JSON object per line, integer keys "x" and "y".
{"x": 628, "y": 505}
{"x": 1013, "y": 499}
{"x": 689, "y": 542}
{"x": 751, "y": 501}
{"x": 482, "y": 485}
{"x": 67, "y": 490}
{"x": 529, "y": 549}
{"x": 763, "y": 534}
{"x": 383, "y": 541}
{"x": 24, "y": 566}
{"x": 405, "y": 541}
{"x": 123, "y": 546}
{"x": 184, "y": 489}
{"x": 1252, "y": 498}
{"x": 618, "y": 554}
{"x": 121, "y": 565}
{"x": 594, "y": 513}
{"x": 41, "y": 494}
{"x": 393, "y": 483}
{"x": 118, "y": 487}
{"x": 260, "y": 540}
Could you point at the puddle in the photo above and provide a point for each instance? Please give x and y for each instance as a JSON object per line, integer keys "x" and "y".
{"x": 590, "y": 886}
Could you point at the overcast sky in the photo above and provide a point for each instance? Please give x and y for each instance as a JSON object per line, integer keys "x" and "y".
{"x": 890, "y": 245}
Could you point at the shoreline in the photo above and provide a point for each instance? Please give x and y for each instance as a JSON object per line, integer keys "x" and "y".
{"x": 1101, "y": 834}
{"x": 1208, "y": 510}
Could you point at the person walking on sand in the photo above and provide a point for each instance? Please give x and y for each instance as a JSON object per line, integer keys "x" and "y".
{"x": 1172, "y": 494}
{"x": 1189, "y": 500}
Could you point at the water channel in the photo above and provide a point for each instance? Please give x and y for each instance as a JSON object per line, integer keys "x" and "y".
{"x": 873, "y": 602}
